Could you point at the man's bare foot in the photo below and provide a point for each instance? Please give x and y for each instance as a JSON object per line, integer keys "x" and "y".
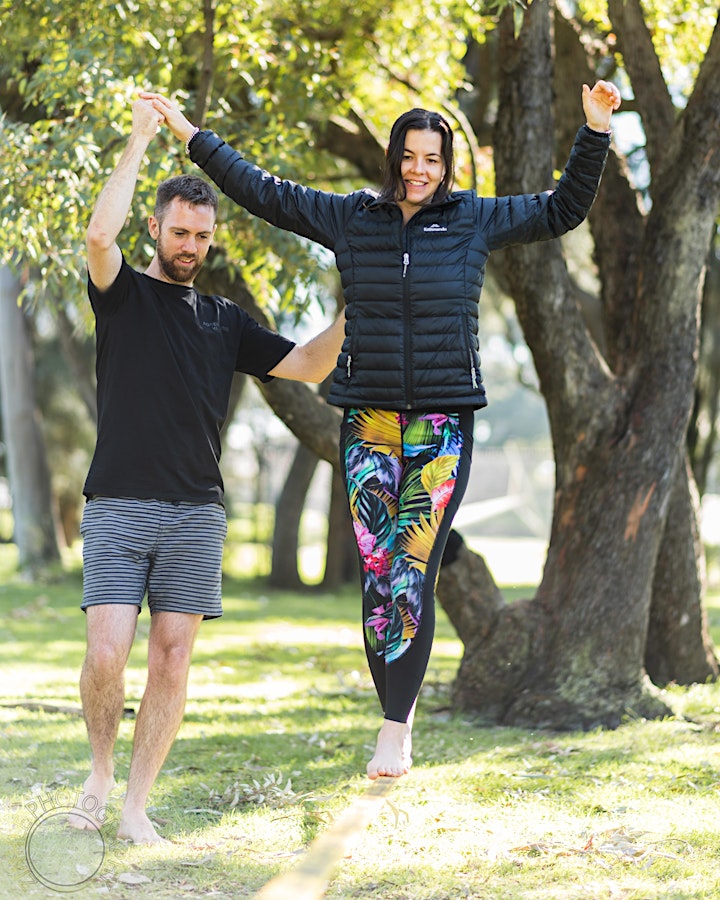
{"x": 136, "y": 827}
{"x": 90, "y": 809}
{"x": 393, "y": 751}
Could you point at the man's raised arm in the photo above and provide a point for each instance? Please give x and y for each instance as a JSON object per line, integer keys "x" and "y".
{"x": 113, "y": 204}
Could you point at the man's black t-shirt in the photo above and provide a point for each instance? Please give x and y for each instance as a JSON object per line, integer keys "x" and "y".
{"x": 165, "y": 360}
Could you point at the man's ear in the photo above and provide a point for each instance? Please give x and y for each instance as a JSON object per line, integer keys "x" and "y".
{"x": 153, "y": 227}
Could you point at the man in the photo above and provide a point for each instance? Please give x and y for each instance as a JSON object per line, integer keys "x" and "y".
{"x": 154, "y": 519}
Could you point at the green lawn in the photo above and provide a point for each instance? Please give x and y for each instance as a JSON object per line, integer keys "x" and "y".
{"x": 281, "y": 719}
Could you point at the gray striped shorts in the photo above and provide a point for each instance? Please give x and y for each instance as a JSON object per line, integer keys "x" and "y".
{"x": 172, "y": 551}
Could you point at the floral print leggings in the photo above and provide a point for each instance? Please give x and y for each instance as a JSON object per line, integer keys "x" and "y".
{"x": 405, "y": 474}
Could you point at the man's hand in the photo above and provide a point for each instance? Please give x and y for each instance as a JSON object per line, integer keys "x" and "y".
{"x": 599, "y": 104}
{"x": 146, "y": 119}
{"x": 170, "y": 112}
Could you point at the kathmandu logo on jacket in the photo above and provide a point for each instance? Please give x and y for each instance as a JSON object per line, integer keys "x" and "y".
{"x": 435, "y": 227}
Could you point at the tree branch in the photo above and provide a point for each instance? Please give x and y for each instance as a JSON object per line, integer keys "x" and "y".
{"x": 643, "y": 66}
{"x": 694, "y": 149}
{"x": 207, "y": 67}
{"x": 350, "y": 138}
{"x": 615, "y": 219}
{"x": 566, "y": 360}
{"x": 307, "y": 415}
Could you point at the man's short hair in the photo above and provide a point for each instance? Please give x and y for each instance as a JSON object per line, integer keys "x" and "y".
{"x": 188, "y": 188}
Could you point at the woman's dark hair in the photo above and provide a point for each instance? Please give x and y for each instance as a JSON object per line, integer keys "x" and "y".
{"x": 416, "y": 120}
{"x": 188, "y": 188}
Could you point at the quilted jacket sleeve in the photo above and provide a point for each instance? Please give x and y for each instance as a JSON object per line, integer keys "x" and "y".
{"x": 317, "y": 215}
{"x": 524, "y": 218}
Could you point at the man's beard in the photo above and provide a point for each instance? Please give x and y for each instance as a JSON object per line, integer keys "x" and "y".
{"x": 173, "y": 271}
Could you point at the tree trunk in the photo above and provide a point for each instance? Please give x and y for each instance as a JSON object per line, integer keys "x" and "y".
{"x": 289, "y": 507}
{"x": 499, "y": 638}
{"x": 34, "y": 521}
{"x": 702, "y": 433}
{"x": 618, "y": 228}
{"x": 581, "y": 672}
{"x": 573, "y": 656}
{"x": 80, "y": 358}
{"x": 341, "y": 557}
{"x": 679, "y": 648}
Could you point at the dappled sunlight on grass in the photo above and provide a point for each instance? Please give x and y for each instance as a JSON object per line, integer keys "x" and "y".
{"x": 41, "y": 680}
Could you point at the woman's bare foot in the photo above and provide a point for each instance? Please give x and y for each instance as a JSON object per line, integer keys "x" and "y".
{"x": 393, "y": 751}
{"x": 90, "y": 810}
{"x": 136, "y": 827}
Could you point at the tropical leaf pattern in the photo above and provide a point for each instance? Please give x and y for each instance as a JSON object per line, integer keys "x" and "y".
{"x": 400, "y": 471}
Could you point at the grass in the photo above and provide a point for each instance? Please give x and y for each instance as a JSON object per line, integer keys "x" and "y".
{"x": 281, "y": 719}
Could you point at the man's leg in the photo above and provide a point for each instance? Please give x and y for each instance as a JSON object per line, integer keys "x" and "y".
{"x": 110, "y": 634}
{"x": 172, "y": 636}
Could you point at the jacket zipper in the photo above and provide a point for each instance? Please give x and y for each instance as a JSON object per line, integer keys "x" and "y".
{"x": 407, "y": 325}
{"x": 473, "y": 372}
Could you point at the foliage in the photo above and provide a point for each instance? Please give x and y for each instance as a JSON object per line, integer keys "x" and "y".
{"x": 680, "y": 31}
{"x": 681, "y": 34}
{"x": 280, "y": 720}
{"x": 279, "y": 71}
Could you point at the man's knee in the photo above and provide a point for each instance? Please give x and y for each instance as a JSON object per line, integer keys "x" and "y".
{"x": 170, "y": 660}
{"x": 105, "y": 658}
{"x": 110, "y": 635}
{"x": 172, "y": 636}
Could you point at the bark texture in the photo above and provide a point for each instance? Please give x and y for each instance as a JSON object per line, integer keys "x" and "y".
{"x": 679, "y": 648}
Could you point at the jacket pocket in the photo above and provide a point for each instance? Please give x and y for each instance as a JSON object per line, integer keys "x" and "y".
{"x": 348, "y": 357}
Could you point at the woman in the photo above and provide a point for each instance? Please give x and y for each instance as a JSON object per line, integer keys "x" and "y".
{"x": 412, "y": 262}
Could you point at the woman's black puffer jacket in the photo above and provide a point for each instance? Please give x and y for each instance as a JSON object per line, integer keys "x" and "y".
{"x": 411, "y": 292}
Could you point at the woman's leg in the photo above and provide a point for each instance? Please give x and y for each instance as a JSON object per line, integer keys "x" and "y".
{"x": 370, "y": 447}
{"x": 435, "y": 477}
{"x": 402, "y": 499}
